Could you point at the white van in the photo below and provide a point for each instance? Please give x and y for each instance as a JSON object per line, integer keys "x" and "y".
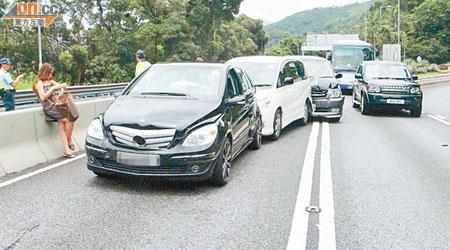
{"x": 283, "y": 90}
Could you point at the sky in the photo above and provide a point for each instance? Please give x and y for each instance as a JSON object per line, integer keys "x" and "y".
{"x": 275, "y": 10}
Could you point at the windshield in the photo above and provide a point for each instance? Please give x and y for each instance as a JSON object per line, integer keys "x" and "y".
{"x": 386, "y": 72}
{"x": 318, "y": 69}
{"x": 260, "y": 73}
{"x": 179, "y": 81}
{"x": 350, "y": 57}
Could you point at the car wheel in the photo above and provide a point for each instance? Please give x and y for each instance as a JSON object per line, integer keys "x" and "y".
{"x": 355, "y": 105}
{"x": 307, "y": 117}
{"x": 417, "y": 112}
{"x": 365, "y": 109}
{"x": 222, "y": 169}
{"x": 257, "y": 136}
{"x": 276, "y": 126}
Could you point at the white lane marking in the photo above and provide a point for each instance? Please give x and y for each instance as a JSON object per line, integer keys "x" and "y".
{"x": 300, "y": 221}
{"x": 327, "y": 233}
{"x": 440, "y": 116}
{"x": 439, "y": 119}
{"x": 9, "y": 182}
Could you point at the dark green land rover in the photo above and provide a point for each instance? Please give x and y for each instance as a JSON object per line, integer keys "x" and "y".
{"x": 386, "y": 85}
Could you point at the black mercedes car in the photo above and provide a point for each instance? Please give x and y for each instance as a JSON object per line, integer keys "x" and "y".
{"x": 325, "y": 91}
{"x": 178, "y": 120}
{"x": 386, "y": 85}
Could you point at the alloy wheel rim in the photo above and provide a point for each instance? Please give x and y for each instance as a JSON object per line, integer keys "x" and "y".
{"x": 278, "y": 125}
{"x": 259, "y": 134}
{"x": 226, "y": 167}
{"x": 306, "y": 113}
{"x": 362, "y": 103}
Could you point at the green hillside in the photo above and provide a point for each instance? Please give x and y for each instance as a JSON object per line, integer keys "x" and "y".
{"x": 346, "y": 19}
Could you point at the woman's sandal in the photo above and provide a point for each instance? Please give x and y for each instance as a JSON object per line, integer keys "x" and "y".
{"x": 69, "y": 155}
{"x": 72, "y": 147}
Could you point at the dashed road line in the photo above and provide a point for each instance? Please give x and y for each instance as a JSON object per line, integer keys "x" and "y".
{"x": 327, "y": 233}
{"x": 300, "y": 221}
{"x": 25, "y": 176}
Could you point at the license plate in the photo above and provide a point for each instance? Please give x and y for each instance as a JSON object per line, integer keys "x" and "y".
{"x": 138, "y": 159}
{"x": 395, "y": 101}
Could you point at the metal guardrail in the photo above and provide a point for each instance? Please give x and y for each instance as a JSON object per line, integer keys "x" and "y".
{"x": 24, "y": 97}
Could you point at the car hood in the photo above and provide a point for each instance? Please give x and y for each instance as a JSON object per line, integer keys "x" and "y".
{"x": 159, "y": 112}
{"x": 392, "y": 82}
{"x": 324, "y": 84}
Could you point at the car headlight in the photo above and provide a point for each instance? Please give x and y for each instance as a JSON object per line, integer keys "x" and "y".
{"x": 414, "y": 90}
{"x": 95, "y": 129}
{"x": 334, "y": 93}
{"x": 373, "y": 89}
{"x": 264, "y": 103}
{"x": 204, "y": 136}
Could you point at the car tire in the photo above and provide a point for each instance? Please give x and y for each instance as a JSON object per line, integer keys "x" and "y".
{"x": 355, "y": 105}
{"x": 307, "y": 118}
{"x": 417, "y": 112}
{"x": 365, "y": 108}
{"x": 222, "y": 169}
{"x": 277, "y": 125}
{"x": 257, "y": 136}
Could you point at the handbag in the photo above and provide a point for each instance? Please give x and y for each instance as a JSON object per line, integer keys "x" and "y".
{"x": 65, "y": 101}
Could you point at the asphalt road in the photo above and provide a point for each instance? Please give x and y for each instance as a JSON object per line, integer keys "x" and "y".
{"x": 389, "y": 188}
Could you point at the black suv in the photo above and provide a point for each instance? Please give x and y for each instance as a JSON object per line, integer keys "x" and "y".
{"x": 179, "y": 120}
{"x": 386, "y": 85}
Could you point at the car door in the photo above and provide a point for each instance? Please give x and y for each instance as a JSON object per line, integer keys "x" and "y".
{"x": 239, "y": 110}
{"x": 289, "y": 92}
{"x": 250, "y": 99}
{"x": 303, "y": 88}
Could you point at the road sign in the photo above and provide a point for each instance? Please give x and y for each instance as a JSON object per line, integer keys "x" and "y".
{"x": 392, "y": 52}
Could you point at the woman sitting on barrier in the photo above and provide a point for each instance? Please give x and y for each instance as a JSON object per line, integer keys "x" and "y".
{"x": 55, "y": 108}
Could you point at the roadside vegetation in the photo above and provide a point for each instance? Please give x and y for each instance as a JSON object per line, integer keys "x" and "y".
{"x": 424, "y": 29}
{"x": 96, "y": 41}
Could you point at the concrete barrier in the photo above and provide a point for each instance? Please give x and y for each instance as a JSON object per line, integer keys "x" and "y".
{"x": 27, "y": 140}
{"x": 19, "y": 147}
{"x": 435, "y": 79}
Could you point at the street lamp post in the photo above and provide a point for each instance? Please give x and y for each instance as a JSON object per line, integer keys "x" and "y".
{"x": 398, "y": 22}
{"x": 365, "y": 26}
{"x": 39, "y": 42}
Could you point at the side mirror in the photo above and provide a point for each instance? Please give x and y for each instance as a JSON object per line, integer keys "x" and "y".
{"x": 359, "y": 76}
{"x": 237, "y": 100}
{"x": 288, "y": 80}
{"x": 415, "y": 78}
{"x": 338, "y": 75}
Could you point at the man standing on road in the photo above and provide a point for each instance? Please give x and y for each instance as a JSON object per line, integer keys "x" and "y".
{"x": 142, "y": 63}
{"x": 7, "y": 85}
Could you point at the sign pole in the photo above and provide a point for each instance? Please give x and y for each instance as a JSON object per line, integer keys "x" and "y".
{"x": 39, "y": 42}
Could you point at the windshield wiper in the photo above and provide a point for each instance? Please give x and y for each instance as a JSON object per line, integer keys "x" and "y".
{"x": 383, "y": 77}
{"x": 263, "y": 85}
{"x": 164, "y": 93}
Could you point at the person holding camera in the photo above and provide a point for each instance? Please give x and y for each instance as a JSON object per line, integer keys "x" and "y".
{"x": 7, "y": 85}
